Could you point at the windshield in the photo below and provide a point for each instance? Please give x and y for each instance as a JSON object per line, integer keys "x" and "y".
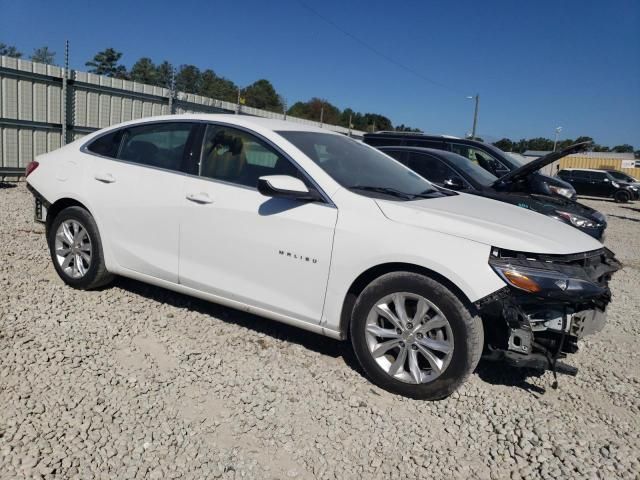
{"x": 471, "y": 169}
{"x": 621, "y": 176}
{"x": 359, "y": 167}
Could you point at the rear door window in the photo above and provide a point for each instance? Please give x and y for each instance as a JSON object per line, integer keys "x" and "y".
{"x": 160, "y": 145}
{"x": 480, "y": 158}
{"x": 581, "y": 175}
{"x": 431, "y": 168}
{"x": 597, "y": 176}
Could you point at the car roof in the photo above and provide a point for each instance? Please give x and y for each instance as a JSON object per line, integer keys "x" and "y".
{"x": 433, "y": 151}
{"x": 412, "y": 134}
{"x": 585, "y": 170}
{"x": 240, "y": 120}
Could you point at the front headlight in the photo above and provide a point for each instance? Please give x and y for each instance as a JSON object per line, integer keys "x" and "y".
{"x": 635, "y": 189}
{"x": 547, "y": 283}
{"x": 615, "y": 184}
{"x": 564, "y": 192}
{"x": 577, "y": 220}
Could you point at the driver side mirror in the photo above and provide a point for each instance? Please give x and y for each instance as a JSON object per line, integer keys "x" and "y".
{"x": 286, "y": 186}
{"x": 454, "y": 183}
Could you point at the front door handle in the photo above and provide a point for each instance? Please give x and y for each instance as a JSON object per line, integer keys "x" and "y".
{"x": 201, "y": 198}
{"x": 104, "y": 177}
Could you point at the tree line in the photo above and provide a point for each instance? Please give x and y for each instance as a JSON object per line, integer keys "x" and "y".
{"x": 191, "y": 79}
{"x": 546, "y": 144}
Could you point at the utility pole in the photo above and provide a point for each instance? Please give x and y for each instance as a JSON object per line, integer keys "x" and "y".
{"x": 238, "y": 104}
{"x": 475, "y": 115}
{"x": 172, "y": 89}
{"x": 65, "y": 100}
{"x": 321, "y": 115}
{"x": 555, "y": 142}
{"x": 350, "y": 124}
{"x": 284, "y": 108}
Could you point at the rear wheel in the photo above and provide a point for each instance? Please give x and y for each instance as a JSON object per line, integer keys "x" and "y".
{"x": 622, "y": 196}
{"x": 414, "y": 337}
{"x": 76, "y": 249}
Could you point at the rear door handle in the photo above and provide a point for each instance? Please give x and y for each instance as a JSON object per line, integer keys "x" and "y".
{"x": 201, "y": 198}
{"x": 104, "y": 177}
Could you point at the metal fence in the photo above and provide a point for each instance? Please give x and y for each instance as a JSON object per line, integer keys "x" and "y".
{"x": 41, "y": 108}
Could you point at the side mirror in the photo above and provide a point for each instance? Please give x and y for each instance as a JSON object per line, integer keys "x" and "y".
{"x": 454, "y": 183}
{"x": 285, "y": 186}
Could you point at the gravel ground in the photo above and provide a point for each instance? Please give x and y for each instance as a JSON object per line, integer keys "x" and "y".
{"x": 134, "y": 381}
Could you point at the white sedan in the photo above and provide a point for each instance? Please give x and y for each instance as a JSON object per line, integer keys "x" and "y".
{"x": 320, "y": 231}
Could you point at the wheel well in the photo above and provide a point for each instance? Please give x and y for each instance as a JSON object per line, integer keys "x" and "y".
{"x": 58, "y": 206}
{"x": 368, "y": 276}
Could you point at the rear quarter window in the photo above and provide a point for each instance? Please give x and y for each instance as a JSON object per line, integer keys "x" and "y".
{"x": 107, "y": 145}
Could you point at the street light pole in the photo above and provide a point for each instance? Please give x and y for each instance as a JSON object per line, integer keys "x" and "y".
{"x": 555, "y": 142}
{"x": 475, "y": 114}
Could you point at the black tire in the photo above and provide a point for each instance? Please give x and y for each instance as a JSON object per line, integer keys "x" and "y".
{"x": 96, "y": 274}
{"x": 467, "y": 329}
{"x": 622, "y": 196}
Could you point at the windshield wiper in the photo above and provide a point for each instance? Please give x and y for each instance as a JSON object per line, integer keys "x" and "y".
{"x": 393, "y": 192}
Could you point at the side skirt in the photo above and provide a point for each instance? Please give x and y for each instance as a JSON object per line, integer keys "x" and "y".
{"x": 227, "y": 302}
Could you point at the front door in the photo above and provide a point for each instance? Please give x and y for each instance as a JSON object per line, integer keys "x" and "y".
{"x": 234, "y": 242}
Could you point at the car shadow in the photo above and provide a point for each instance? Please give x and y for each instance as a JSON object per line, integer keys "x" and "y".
{"x": 7, "y": 185}
{"x": 599, "y": 199}
{"x": 500, "y": 373}
{"x": 312, "y": 341}
{"x": 622, "y": 217}
{"x": 632, "y": 209}
{"x": 489, "y": 371}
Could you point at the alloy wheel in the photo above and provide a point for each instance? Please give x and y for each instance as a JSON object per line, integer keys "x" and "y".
{"x": 73, "y": 248}
{"x": 409, "y": 338}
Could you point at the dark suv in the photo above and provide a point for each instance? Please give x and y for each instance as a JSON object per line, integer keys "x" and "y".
{"x": 490, "y": 158}
{"x": 599, "y": 183}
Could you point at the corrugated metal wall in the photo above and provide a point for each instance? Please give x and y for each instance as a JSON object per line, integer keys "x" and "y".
{"x": 30, "y": 109}
{"x": 578, "y": 161}
{"x": 32, "y": 105}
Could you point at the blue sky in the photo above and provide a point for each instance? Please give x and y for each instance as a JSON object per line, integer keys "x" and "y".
{"x": 536, "y": 65}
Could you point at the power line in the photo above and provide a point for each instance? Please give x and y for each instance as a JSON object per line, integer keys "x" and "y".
{"x": 376, "y": 51}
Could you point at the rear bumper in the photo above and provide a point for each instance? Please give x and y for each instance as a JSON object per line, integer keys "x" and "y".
{"x": 41, "y": 206}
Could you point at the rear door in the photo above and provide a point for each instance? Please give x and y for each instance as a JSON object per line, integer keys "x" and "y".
{"x": 138, "y": 193}
{"x": 600, "y": 184}
{"x": 581, "y": 181}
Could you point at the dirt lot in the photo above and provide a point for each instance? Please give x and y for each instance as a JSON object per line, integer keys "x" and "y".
{"x": 135, "y": 381}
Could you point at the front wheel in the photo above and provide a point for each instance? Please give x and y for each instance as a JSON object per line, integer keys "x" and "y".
{"x": 76, "y": 249}
{"x": 622, "y": 196}
{"x": 414, "y": 337}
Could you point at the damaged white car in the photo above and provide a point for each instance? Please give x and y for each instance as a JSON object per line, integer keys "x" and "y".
{"x": 317, "y": 230}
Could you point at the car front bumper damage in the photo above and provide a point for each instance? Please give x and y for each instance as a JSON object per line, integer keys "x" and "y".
{"x": 536, "y": 329}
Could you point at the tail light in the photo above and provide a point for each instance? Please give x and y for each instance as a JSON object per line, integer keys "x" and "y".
{"x": 31, "y": 166}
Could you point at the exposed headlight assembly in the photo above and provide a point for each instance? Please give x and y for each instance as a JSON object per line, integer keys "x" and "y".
{"x": 577, "y": 220}
{"x": 545, "y": 283}
{"x": 564, "y": 192}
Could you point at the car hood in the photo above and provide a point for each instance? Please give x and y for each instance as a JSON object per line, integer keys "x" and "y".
{"x": 544, "y": 204}
{"x": 490, "y": 222}
{"x": 535, "y": 165}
